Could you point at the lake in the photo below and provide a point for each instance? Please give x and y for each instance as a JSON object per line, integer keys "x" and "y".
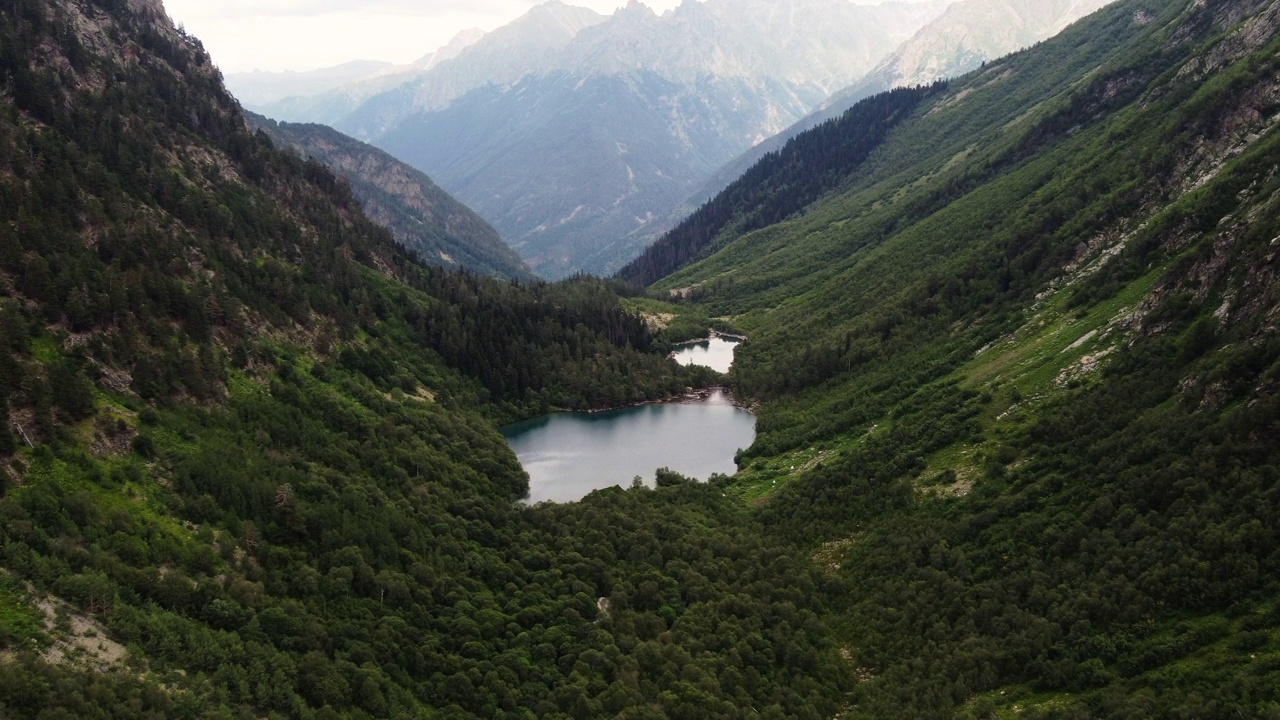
{"x": 716, "y": 353}
{"x": 569, "y": 455}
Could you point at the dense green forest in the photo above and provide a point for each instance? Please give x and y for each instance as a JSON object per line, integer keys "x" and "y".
{"x": 1013, "y": 341}
{"x": 250, "y": 458}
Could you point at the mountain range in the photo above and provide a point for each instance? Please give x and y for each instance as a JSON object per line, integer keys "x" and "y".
{"x": 705, "y": 90}
{"x": 261, "y": 89}
{"x": 329, "y": 94}
{"x": 630, "y": 112}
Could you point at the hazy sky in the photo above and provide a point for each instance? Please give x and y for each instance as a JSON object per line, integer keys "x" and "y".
{"x": 246, "y": 35}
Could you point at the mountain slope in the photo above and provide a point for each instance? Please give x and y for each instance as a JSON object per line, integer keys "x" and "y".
{"x": 1018, "y": 375}
{"x": 782, "y": 184}
{"x": 248, "y": 461}
{"x": 421, "y": 216}
{"x": 968, "y": 34}
{"x": 629, "y": 116}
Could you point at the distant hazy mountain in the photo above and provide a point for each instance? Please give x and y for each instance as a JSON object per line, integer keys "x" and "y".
{"x": 968, "y": 34}
{"x": 572, "y": 166}
{"x": 531, "y": 44}
{"x": 453, "y": 49}
{"x": 806, "y": 42}
{"x": 258, "y": 88}
{"x": 572, "y": 132}
{"x": 325, "y": 96}
{"x": 421, "y": 216}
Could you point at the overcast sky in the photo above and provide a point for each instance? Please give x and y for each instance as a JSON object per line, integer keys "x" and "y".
{"x": 244, "y": 35}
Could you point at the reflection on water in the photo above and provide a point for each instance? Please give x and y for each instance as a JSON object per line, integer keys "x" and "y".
{"x": 716, "y": 353}
{"x": 569, "y": 455}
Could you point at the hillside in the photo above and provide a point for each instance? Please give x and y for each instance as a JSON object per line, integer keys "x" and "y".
{"x": 968, "y": 34}
{"x": 248, "y": 458}
{"x": 1018, "y": 366}
{"x": 782, "y": 184}
{"x": 421, "y": 217}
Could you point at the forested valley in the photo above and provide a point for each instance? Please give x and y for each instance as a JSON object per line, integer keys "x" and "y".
{"x": 251, "y": 465}
{"x": 1012, "y": 338}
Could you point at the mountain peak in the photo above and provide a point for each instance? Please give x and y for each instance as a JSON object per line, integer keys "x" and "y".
{"x": 634, "y": 12}
{"x": 559, "y": 10}
{"x": 635, "y": 7}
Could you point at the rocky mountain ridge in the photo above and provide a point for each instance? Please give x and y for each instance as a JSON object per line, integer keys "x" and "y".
{"x": 422, "y": 217}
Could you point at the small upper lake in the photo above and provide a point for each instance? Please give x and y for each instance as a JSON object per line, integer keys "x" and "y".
{"x": 570, "y": 455}
{"x": 716, "y": 353}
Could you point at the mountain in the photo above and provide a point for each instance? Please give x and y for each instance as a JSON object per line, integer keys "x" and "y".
{"x": 571, "y": 155}
{"x": 968, "y": 34}
{"x": 530, "y": 44}
{"x": 802, "y": 41}
{"x": 260, "y": 88}
{"x": 287, "y": 96}
{"x": 450, "y": 50}
{"x": 1014, "y": 339}
{"x": 420, "y": 215}
{"x": 560, "y": 160}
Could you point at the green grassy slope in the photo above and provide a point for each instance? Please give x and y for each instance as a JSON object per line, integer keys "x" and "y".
{"x": 1018, "y": 378}
{"x": 1009, "y": 186}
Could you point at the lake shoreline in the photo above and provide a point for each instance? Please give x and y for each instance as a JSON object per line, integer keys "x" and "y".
{"x": 716, "y": 352}
{"x": 688, "y": 396}
{"x": 715, "y": 335}
{"x": 569, "y": 455}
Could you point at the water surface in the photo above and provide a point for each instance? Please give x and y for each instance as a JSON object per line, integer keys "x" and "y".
{"x": 716, "y": 353}
{"x": 569, "y": 455}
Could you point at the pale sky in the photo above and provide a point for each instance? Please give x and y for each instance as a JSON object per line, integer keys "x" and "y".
{"x": 244, "y": 35}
